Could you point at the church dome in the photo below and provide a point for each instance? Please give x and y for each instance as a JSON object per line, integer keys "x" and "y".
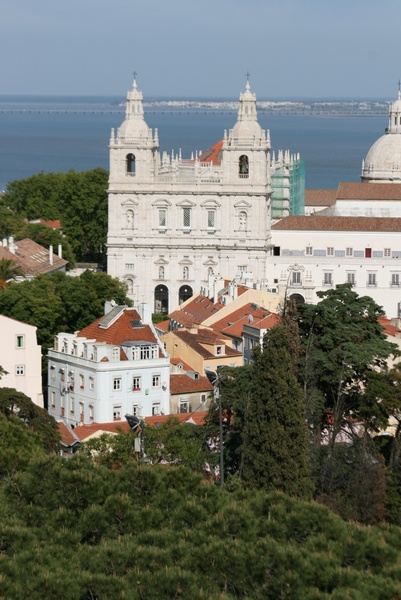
{"x": 247, "y": 126}
{"x": 134, "y": 126}
{"x": 383, "y": 161}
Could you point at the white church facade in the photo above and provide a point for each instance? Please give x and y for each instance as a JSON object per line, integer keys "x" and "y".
{"x": 174, "y": 222}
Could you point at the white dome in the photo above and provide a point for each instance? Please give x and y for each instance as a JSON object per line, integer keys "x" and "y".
{"x": 247, "y": 126}
{"x": 383, "y": 161}
{"x": 134, "y": 127}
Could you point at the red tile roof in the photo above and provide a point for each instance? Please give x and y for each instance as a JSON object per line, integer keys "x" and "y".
{"x": 163, "y": 325}
{"x": 32, "y": 258}
{"x": 389, "y": 329}
{"x": 205, "y": 337}
{"x": 83, "y": 432}
{"x": 122, "y": 330}
{"x": 185, "y": 365}
{"x": 320, "y": 197}
{"x": 237, "y": 316}
{"x": 196, "y": 311}
{"x": 268, "y": 322}
{"x": 323, "y": 223}
{"x": 52, "y": 224}
{"x": 369, "y": 191}
{"x": 184, "y": 384}
{"x": 213, "y": 154}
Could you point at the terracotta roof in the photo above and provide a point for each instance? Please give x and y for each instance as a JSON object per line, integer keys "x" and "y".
{"x": 33, "y": 258}
{"x": 237, "y": 316}
{"x": 184, "y": 384}
{"x": 323, "y": 223}
{"x": 206, "y": 337}
{"x": 389, "y": 329}
{"x": 268, "y": 322}
{"x": 83, "y": 432}
{"x": 320, "y": 197}
{"x": 196, "y": 311}
{"x": 163, "y": 325}
{"x": 67, "y": 434}
{"x": 213, "y": 154}
{"x": 369, "y": 191}
{"x": 185, "y": 365}
{"x": 122, "y": 330}
{"x": 52, "y": 224}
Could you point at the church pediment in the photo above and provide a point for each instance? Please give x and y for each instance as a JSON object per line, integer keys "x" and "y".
{"x": 186, "y": 204}
{"x": 242, "y": 204}
{"x": 161, "y": 261}
{"x": 185, "y": 261}
{"x": 129, "y": 203}
{"x": 211, "y": 204}
{"x": 210, "y": 263}
{"x": 161, "y": 203}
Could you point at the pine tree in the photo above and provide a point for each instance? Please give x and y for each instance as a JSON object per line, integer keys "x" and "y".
{"x": 275, "y": 454}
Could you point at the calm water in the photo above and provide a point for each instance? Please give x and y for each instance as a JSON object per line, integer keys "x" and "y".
{"x": 56, "y": 134}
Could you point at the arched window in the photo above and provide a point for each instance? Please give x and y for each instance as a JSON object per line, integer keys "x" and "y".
{"x": 161, "y": 299}
{"x": 130, "y": 163}
{"x": 185, "y": 273}
{"x": 130, "y": 219}
{"x": 210, "y": 271}
{"x": 161, "y": 272}
{"x": 243, "y": 166}
{"x": 130, "y": 285}
{"x": 184, "y": 293}
{"x": 242, "y": 220}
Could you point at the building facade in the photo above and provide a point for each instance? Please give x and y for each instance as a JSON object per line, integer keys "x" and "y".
{"x": 113, "y": 367}
{"x": 21, "y": 357}
{"x": 173, "y": 222}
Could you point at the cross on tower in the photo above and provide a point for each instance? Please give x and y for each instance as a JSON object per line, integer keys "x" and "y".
{"x": 134, "y": 74}
{"x": 247, "y": 75}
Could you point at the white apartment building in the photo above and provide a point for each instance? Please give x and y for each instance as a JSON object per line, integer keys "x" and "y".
{"x": 21, "y": 357}
{"x": 115, "y": 366}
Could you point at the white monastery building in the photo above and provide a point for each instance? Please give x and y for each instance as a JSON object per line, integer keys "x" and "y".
{"x": 173, "y": 222}
{"x": 21, "y": 357}
{"x": 115, "y": 366}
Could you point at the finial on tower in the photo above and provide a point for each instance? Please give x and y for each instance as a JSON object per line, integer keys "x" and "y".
{"x": 247, "y": 75}
{"x": 399, "y": 89}
{"x": 134, "y": 74}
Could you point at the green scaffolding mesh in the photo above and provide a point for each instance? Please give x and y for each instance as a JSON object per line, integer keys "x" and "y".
{"x": 288, "y": 190}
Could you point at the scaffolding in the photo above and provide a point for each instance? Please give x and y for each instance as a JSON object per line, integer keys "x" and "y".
{"x": 288, "y": 188}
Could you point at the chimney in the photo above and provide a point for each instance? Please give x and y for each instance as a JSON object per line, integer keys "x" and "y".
{"x": 145, "y": 313}
{"x": 60, "y": 251}
{"x": 108, "y": 306}
{"x": 50, "y": 254}
{"x": 11, "y": 246}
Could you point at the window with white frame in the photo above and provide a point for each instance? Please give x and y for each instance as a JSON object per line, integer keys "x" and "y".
{"x": 309, "y": 251}
{"x": 91, "y": 412}
{"x": 395, "y": 279}
{"x": 136, "y": 383}
{"x": 203, "y": 398}
{"x": 211, "y": 219}
{"x": 20, "y": 341}
{"x": 156, "y": 381}
{"x": 186, "y": 217}
{"x": 135, "y": 410}
{"x": 117, "y": 413}
{"x": 53, "y": 399}
{"x": 387, "y": 252}
{"x": 115, "y": 355}
{"x": 351, "y": 278}
{"x": 296, "y": 278}
{"x": 20, "y": 369}
{"x": 185, "y": 273}
{"x": 372, "y": 281}
{"x": 156, "y": 409}
{"x": 327, "y": 278}
{"x": 349, "y": 251}
{"x": 81, "y": 381}
{"x": 129, "y": 266}
{"x": 242, "y": 268}
{"x": 91, "y": 383}
{"x": 162, "y": 217}
{"x": 242, "y": 220}
{"x": 81, "y": 412}
{"x": 161, "y": 273}
{"x": 117, "y": 384}
{"x": 184, "y": 406}
{"x": 72, "y": 404}
{"x": 330, "y": 251}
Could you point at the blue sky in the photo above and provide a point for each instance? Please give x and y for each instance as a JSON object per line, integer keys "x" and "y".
{"x": 292, "y": 48}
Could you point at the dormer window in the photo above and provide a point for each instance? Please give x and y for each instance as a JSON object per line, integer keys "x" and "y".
{"x": 243, "y": 166}
{"x": 130, "y": 164}
{"x": 219, "y": 350}
{"x": 115, "y": 354}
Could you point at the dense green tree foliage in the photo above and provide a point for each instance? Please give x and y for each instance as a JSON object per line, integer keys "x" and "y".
{"x": 79, "y": 200}
{"x": 14, "y": 404}
{"x": 69, "y": 529}
{"x": 8, "y": 270}
{"x": 343, "y": 354}
{"x": 58, "y": 302}
{"x": 275, "y": 447}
